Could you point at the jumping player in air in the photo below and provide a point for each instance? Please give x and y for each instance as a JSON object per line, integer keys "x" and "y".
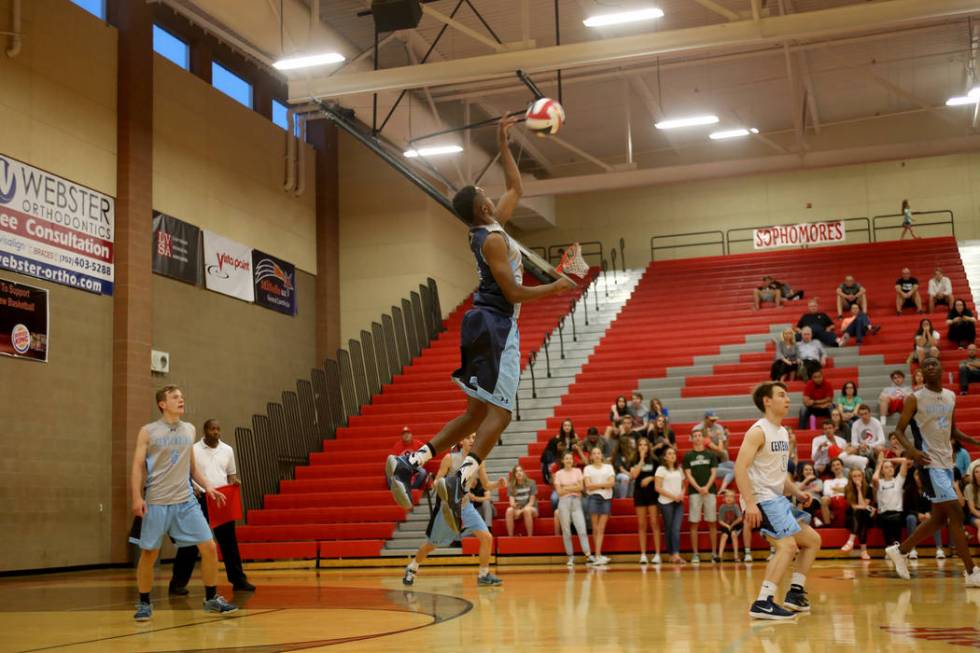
{"x": 438, "y": 533}
{"x": 932, "y": 409}
{"x": 760, "y": 471}
{"x": 489, "y": 342}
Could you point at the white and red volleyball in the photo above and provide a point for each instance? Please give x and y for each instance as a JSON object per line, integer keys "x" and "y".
{"x": 545, "y": 117}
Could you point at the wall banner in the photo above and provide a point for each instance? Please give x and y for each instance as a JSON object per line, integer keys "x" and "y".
{"x": 23, "y": 321}
{"x": 791, "y": 235}
{"x": 228, "y": 267}
{"x": 275, "y": 282}
{"x": 176, "y": 249}
{"x": 55, "y": 229}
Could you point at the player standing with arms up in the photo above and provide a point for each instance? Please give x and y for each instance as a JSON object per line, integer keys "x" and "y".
{"x": 932, "y": 408}
{"x": 489, "y": 341}
{"x": 760, "y": 471}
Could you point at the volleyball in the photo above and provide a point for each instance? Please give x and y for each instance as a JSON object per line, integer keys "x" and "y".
{"x": 545, "y": 117}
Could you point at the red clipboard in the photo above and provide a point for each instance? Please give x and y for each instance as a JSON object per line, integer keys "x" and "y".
{"x": 231, "y": 511}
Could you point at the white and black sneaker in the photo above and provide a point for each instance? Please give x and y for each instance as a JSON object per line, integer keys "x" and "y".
{"x": 770, "y": 610}
{"x": 409, "y": 577}
{"x": 796, "y": 599}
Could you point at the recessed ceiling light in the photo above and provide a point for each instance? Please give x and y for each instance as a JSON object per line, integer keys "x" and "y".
{"x": 433, "y": 151}
{"x": 309, "y": 61}
{"x": 974, "y": 92}
{"x": 732, "y": 133}
{"x": 962, "y": 100}
{"x": 692, "y": 121}
{"x": 620, "y": 17}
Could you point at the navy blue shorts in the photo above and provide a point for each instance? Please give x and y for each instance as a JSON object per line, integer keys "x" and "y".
{"x": 490, "y": 349}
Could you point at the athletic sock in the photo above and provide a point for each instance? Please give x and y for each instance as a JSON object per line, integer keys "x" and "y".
{"x": 768, "y": 591}
{"x": 210, "y": 592}
{"x": 144, "y": 597}
{"x": 798, "y": 579}
{"x": 469, "y": 468}
{"x": 413, "y": 565}
{"x": 484, "y": 571}
{"x": 423, "y": 455}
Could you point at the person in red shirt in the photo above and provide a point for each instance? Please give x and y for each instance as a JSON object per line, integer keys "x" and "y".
{"x": 407, "y": 444}
{"x": 818, "y": 399}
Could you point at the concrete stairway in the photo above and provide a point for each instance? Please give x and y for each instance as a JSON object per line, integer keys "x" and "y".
{"x": 535, "y": 410}
{"x": 970, "y": 255}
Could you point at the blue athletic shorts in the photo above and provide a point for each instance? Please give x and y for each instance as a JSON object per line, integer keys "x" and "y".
{"x": 184, "y": 522}
{"x": 779, "y": 518}
{"x": 490, "y": 349}
{"x": 942, "y": 485}
{"x": 439, "y": 533}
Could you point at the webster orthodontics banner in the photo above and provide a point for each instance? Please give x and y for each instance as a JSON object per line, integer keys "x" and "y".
{"x": 55, "y": 229}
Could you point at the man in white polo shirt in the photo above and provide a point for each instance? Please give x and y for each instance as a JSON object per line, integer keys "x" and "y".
{"x": 216, "y": 460}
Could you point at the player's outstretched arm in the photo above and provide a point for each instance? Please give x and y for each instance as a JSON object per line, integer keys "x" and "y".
{"x": 512, "y": 176}
{"x": 495, "y": 254}
{"x": 751, "y": 444}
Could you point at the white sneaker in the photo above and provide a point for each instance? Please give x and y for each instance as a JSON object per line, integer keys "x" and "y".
{"x": 656, "y": 559}
{"x": 817, "y": 522}
{"x": 748, "y": 557}
{"x": 899, "y": 560}
{"x": 643, "y": 559}
{"x": 913, "y": 555}
{"x": 602, "y": 560}
{"x": 973, "y": 580}
{"x": 571, "y": 561}
{"x": 590, "y": 559}
{"x": 695, "y": 559}
{"x": 940, "y": 554}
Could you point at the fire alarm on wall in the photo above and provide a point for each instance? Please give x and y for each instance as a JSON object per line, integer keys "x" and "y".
{"x": 159, "y": 362}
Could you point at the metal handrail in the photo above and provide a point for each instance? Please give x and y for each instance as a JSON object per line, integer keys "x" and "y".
{"x": 865, "y": 229}
{"x": 951, "y": 222}
{"x": 721, "y": 241}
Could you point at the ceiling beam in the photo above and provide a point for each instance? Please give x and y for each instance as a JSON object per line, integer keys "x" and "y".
{"x": 650, "y": 102}
{"x": 463, "y": 29}
{"x": 808, "y": 84}
{"x": 862, "y": 17}
{"x": 719, "y": 9}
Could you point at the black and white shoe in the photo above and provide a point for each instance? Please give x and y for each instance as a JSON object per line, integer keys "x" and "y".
{"x": 796, "y": 599}
{"x": 409, "y": 577}
{"x": 770, "y": 610}
{"x": 451, "y": 493}
{"x": 399, "y": 473}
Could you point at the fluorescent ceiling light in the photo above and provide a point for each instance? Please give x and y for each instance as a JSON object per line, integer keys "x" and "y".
{"x": 309, "y": 61}
{"x": 974, "y": 92}
{"x": 962, "y": 100}
{"x": 732, "y": 133}
{"x": 620, "y": 17}
{"x": 693, "y": 121}
{"x": 433, "y": 151}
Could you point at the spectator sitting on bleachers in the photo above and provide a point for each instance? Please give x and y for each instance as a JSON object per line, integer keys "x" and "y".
{"x": 962, "y": 325}
{"x": 569, "y": 485}
{"x": 730, "y": 523}
{"x": 594, "y": 440}
{"x": 773, "y": 291}
{"x": 940, "y": 290}
{"x": 786, "y": 359}
{"x": 892, "y": 397}
{"x": 961, "y": 458}
{"x": 600, "y": 478}
{"x": 812, "y": 354}
{"x": 700, "y": 467}
{"x": 918, "y": 507}
{"x": 522, "y": 495}
{"x": 645, "y": 498}
{"x": 969, "y": 369}
{"x": 833, "y": 492}
{"x": 482, "y": 499}
{"x": 894, "y": 449}
{"x": 889, "y": 487}
{"x": 661, "y": 435}
{"x": 810, "y": 482}
{"x": 855, "y": 325}
{"x": 860, "y": 511}
{"x": 849, "y": 293}
{"x": 657, "y": 409}
{"x": 971, "y": 493}
{"x": 818, "y": 399}
{"x": 918, "y": 380}
{"x": 867, "y": 435}
{"x": 926, "y": 337}
{"x": 566, "y": 441}
{"x": 408, "y": 444}
{"x": 907, "y": 292}
{"x": 670, "y": 488}
{"x": 623, "y": 459}
{"x": 820, "y": 324}
{"x": 616, "y": 413}
{"x": 717, "y": 441}
{"x": 794, "y": 455}
{"x": 821, "y": 444}
{"x": 841, "y": 426}
{"x": 848, "y": 401}
{"x": 639, "y": 411}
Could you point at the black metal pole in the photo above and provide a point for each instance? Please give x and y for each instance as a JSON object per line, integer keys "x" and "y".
{"x": 472, "y": 125}
{"x": 571, "y": 314}
{"x": 485, "y": 24}
{"x": 615, "y": 278}
{"x": 547, "y": 356}
{"x": 517, "y": 400}
{"x": 585, "y": 305}
{"x": 374, "y": 98}
{"x": 561, "y": 337}
{"x": 558, "y": 42}
{"x": 521, "y": 75}
{"x": 622, "y": 253}
{"x": 530, "y": 363}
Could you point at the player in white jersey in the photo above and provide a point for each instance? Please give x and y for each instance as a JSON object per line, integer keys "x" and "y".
{"x": 932, "y": 409}
{"x": 761, "y": 474}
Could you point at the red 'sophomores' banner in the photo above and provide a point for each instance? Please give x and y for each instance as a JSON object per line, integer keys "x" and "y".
{"x": 790, "y": 235}
{"x": 231, "y": 511}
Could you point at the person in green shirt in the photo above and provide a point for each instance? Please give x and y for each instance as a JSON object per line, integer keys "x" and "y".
{"x": 848, "y": 401}
{"x": 700, "y": 466}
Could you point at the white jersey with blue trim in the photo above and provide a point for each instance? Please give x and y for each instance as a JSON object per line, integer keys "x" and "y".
{"x": 769, "y": 467}
{"x": 934, "y": 417}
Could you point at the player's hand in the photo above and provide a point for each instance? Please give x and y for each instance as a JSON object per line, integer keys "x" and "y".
{"x": 753, "y": 518}
{"x": 805, "y": 500}
{"x": 503, "y": 127}
{"x": 919, "y": 457}
{"x": 218, "y": 498}
{"x": 564, "y": 284}
{"x": 703, "y": 491}
{"x": 139, "y": 508}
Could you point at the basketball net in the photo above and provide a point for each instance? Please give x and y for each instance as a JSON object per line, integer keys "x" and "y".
{"x": 572, "y": 261}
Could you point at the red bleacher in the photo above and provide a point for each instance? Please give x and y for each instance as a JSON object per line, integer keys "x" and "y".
{"x": 338, "y": 506}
